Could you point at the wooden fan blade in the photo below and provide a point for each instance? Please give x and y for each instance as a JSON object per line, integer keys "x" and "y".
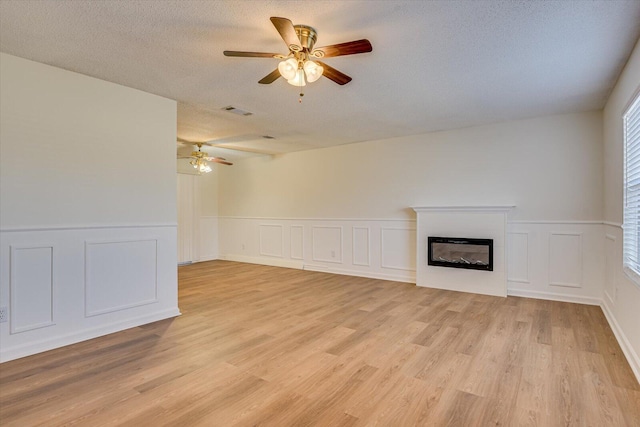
{"x": 211, "y": 159}
{"x": 185, "y": 157}
{"x": 348, "y": 48}
{"x": 222, "y": 162}
{"x": 287, "y": 32}
{"x": 333, "y": 74}
{"x": 251, "y": 54}
{"x": 186, "y": 141}
{"x": 270, "y": 78}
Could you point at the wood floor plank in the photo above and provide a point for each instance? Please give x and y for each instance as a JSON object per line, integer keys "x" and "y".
{"x": 259, "y": 345}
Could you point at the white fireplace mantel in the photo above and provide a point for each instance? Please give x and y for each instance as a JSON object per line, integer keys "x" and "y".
{"x": 485, "y": 222}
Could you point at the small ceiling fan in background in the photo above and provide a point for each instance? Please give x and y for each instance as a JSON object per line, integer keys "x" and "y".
{"x": 301, "y": 63}
{"x": 199, "y": 159}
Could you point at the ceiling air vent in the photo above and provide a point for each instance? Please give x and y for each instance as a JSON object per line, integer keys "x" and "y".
{"x": 237, "y": 111}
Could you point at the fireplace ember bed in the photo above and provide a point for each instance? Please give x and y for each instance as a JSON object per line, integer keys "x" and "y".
{"x": 460, "y": 252}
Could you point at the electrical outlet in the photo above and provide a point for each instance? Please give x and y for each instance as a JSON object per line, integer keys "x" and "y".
{"x": 4, "y": 314}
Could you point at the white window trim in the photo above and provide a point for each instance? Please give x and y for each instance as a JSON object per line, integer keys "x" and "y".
{"x": 630, "y": 268}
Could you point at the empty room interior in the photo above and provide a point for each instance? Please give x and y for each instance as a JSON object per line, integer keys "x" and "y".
{"x": 327, "y": 213}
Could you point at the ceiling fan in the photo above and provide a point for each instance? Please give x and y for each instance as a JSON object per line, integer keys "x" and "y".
{"x": 301, "y": 63}
{"x": 200, "y": 158}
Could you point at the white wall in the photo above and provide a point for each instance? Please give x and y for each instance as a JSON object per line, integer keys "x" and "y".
{"x": 621, "y": 296}
{"x": 347, "y": 209}
{"x": 88, "y": 231}
{"x": 534, "y": 164}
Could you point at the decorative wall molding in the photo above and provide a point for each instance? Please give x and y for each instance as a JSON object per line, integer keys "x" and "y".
{"x": 486, "y": 208}
{"x": 513, "y": 252}
{"x": 517, "y": 222}
{"x": 271, "y": 237}
{"x": 562, "y": 259}
{"x": 87, "y": 227}
{"x": 122, "y": 272}
{"x": 358, "y": 258}
{"x": 268, "y": 218}
{"x": 357, "y": 245}
{"x": 337, "y": 240}
{"x": 296, "y": 241}
{"x": 31, "y": 288}
{"x": 64, "y": 260}
{"x": 612, "y": 224}
{"x": 236, "y": 231}
{"x": 386, "y": 252}
{"x": 610, "y": 259}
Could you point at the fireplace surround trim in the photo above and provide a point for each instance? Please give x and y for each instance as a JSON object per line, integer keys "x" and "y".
{"x": 488, "y": 221}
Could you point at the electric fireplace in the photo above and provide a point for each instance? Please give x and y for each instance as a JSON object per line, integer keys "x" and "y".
{"x": 460, "y": 252}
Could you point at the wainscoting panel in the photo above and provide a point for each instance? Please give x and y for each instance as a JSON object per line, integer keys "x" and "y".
{"x": 271, "y": 240}
{"x": 354, "y": 247}
{"x": 610, "y": 260}
{"x": 518, "y": 257}
{"x": 327, "y": 244}
{"x": 82, "y": 282}
{"x": 398, "y": 248}
{"x": 565, "y": 260}
{"x": 120, "y": 275}
{"x": 392, "y": 251}
{"x": 361, "y": 246}
{"x": 31, "y": 288}
{"x": 297, "y": 241}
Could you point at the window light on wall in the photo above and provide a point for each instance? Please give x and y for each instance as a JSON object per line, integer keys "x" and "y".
{"x": 631, "y": 220}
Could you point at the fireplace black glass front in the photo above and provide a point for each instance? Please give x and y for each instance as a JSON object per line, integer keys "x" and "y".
{"x": 474, "y": 254}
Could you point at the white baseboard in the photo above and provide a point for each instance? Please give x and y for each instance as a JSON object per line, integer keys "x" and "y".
{"x": 29, "y": 349}
{"x": 208, "y": 258}
{"x": 300, "y": 265}
{"x": 525, "y": 293}
{"x": 274, "y": 262}
{"x": 408, "y": 278}
{"x": 627, "y": 349}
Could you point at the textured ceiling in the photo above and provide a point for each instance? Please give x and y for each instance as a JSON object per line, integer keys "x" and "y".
{"x": 435, "y": 65}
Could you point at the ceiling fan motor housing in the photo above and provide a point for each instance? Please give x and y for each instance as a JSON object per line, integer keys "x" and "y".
{"x": 307, "y": 36}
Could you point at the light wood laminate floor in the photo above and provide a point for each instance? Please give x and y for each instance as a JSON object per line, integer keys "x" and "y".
{"x": 261, "y": 345}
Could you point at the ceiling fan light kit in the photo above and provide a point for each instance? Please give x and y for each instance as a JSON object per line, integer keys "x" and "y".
{"x": 288, "y": 68}
{"x": 200, "y": 165}
{"x": 200, "y": 158}
{"x": 297, "y": 67}
{"x": 312, "y": 70}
